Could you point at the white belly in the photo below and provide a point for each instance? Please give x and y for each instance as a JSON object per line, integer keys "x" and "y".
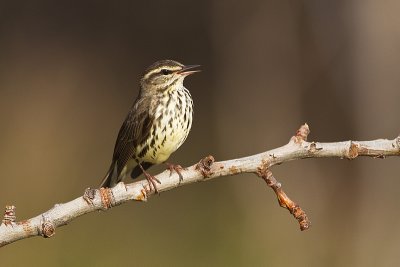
{"x": 173, "y": 133}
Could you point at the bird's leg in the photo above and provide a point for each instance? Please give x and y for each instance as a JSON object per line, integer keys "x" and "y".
{"x": 177, "y": 168}
{"x": 150, "y": 178}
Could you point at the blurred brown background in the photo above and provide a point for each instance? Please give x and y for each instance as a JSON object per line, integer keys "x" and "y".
{"x": 69, "y": 73}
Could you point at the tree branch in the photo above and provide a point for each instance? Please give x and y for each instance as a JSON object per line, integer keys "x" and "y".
{"x": 207, "y": 169}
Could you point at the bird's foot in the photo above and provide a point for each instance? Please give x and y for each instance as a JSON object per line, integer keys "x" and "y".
{"x": 150, "y": 178}
{"x": 177, "y": 168}
{"x": 152, "y": 181}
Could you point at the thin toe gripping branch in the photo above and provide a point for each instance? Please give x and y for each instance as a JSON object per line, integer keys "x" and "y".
{"x": 206, "y": 169}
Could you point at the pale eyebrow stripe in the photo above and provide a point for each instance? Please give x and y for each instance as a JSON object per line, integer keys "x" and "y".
{"x": 158, "y": 70}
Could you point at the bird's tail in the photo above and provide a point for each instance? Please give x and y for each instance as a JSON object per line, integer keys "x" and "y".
{"x": 111, "y": 177}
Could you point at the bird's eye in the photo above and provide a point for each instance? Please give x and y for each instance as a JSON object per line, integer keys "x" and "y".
{"x": 166, "y": 72}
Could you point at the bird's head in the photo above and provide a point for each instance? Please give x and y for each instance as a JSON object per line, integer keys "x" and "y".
{"x": 164, "y": 74}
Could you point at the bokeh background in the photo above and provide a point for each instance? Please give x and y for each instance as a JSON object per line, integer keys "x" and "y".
{"x": 69, "y": 72}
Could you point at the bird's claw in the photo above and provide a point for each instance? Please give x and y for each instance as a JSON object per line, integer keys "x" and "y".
{"x": 152, "y": 181}
{"x": 177, "y": 168}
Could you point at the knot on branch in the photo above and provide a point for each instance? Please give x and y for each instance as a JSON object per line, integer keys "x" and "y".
{"x": 47, "y": 227}
{"x": 301, "y": 134}
{"x": 301, "y": 217}
{"x": 89, "y": 195}
{"x": 352, "y": 153}
{"x": 263, "y": 169}
{"x": 9, "y": 215}
{"x": 313, "y": 148}
{"x": 107, "y": 198}
{"x": 204, "y": 166}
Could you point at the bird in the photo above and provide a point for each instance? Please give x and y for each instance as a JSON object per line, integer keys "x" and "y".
{"x": 156, "y": 125}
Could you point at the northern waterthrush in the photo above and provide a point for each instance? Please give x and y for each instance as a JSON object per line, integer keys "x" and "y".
{"x": 157, "y": 124}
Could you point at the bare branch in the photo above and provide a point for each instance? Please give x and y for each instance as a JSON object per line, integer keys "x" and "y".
{"x": 259, "y": 164}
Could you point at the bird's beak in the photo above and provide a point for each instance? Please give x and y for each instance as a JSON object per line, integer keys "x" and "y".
{"x": 188, "y": 69}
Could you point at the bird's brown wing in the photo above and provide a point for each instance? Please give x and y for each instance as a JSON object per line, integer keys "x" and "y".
{"x": 134, "y": 131}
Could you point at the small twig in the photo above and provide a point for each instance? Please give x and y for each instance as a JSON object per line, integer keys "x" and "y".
{"x": 9, "y": 215}
{"x": 283, "y": 200}
{"x": 261, "y": 164}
